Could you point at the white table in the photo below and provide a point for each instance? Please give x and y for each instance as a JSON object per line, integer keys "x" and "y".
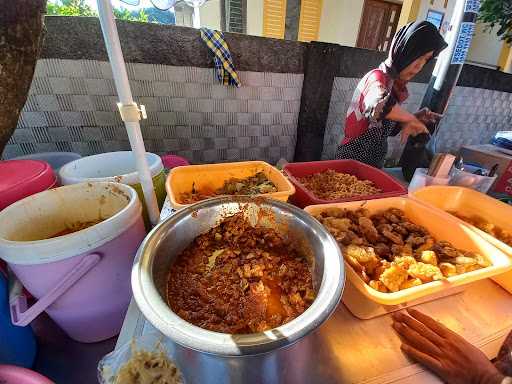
{"x": 368, "y": 351}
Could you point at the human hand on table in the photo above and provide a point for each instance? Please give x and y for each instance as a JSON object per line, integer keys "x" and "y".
{"x": 412, "y": 128}
{"x": 442, "y": 351}
{"x": 426, "y": 116}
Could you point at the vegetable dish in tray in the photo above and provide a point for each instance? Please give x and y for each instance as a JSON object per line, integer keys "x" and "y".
{"x": 391, "y": 253}
{"x": 253, "y": 185}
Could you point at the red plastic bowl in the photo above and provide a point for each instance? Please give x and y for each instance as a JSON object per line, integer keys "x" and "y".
{"x": 303, "y": 197}
{"x": 10, "y": 374}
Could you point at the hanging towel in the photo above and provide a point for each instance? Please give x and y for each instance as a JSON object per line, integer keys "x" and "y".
{"x": 224, "y": 68}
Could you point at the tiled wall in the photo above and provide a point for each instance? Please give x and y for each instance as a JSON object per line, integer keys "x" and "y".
{"x": 72, "y": 107}
{"x": 474, "y": 115}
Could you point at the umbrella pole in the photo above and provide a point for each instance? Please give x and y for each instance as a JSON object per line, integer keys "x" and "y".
{"x": 130, "y": 111}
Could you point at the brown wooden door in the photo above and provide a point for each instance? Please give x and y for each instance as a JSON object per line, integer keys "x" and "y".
{"x": 378, "y": 24}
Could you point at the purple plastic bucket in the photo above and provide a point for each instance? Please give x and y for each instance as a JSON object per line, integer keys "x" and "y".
{"x": 82, "y": 279}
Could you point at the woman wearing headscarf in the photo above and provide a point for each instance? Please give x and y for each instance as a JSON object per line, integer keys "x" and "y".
{"x": 375, "y": 112}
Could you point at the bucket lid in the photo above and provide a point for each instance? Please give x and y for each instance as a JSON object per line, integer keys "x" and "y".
{"x": 22, "y": 178}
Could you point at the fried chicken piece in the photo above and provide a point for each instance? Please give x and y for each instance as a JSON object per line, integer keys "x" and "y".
{"x": 447, "y": 269}
{"x": 334, "y": 212}
{"x": 367, "y": 229}
{"x": 411, "y": 283}
{"x": 363, "y": 212}
{"x": 394, "y": 237}
{"x": 365, "y": 256}
{"x": 378, "y": 286}
{"x": 415, "y": 241}
{"x": 396, "y": 250}
{"x": 400, "y": 229}
{"x": 407, "y": 250}
{"x": 391, "y": 216}
{"x": 425, "y": 272}
{"x": 429, "y": 257}
{"x": 414, "y": 228}
{"x": 427, "y": 245}
{"x": 393, "y": 278}
{"x": 382, "y": 250}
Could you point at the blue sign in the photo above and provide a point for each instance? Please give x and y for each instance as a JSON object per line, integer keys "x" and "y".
{"x": 472, "y": 6}
{"x": 467, "y": 30}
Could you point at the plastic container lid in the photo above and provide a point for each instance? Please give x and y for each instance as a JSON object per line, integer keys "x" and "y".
{"x": 22, "y": 178}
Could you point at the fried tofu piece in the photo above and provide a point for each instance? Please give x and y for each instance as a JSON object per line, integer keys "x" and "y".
{"x": 365, "y": 256}
{"x": 404, "y": 261}
{"x": 425, "y": 272}
{"x": 429, "y": 257}
{"x": 378, "y": 286}
{"x": 341, "y": 224}
{"x": 394, "y": 277}
{"x": 447, "y": 269}
{"x": 380, "y": 269}
{"x": 411, "y": 283}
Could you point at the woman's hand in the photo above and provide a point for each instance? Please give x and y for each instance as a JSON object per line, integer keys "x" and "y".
{"x": 442, "y": 351}
{"x": 426, "y": 116}
{"x": 412, "y": 128}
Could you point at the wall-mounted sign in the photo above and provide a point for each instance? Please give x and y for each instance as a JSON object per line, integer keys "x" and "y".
{"x": 467, "y": 30}
{"x": 472, "y": 6}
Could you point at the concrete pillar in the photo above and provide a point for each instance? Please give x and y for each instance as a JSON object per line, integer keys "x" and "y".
{"x": 505, "y": 60}
{"x": 410, "y": 10}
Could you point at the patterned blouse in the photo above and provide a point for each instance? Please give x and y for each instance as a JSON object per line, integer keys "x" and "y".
{"x": 366, "y": 129}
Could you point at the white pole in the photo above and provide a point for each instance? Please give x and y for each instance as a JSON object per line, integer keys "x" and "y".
{"x": 131, "y": 115}
{"x": 196, "y": 17}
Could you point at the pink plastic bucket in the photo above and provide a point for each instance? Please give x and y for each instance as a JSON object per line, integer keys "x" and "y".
{"x": 10, "y": 374}
{"x": 22, "y": 178}
{"x": 172, "y": 161}
{"x": 82, "y": 280}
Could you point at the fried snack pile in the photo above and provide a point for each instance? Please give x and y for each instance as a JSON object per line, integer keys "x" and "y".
{"x": 332, "y": 185}
{"x": 253, "y": 185}
{"x": 148, "y": 368}
{"x": 238, "y": 278}
{"x": 484, "y": 225}
{"x": 391, "y": 253}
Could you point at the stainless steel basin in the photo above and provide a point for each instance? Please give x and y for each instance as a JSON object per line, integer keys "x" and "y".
{"x": 172, "y": 236}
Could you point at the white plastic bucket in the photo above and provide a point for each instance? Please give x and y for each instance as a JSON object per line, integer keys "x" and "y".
{"x": 118, "y": 167}
{"x": 82, "y": 279}
{"x": 111, "y": 166}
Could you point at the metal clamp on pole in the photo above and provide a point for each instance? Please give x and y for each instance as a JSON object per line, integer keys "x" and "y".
{"x": 132, "y": 112}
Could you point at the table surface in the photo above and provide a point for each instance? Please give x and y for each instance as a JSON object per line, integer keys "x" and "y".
{"x": 357, "y": 351}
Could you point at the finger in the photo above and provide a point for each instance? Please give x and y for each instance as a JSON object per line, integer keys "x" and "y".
{"x": 434, "y": 325}
{"x": 428, "y": 361}
{"x": 404, "y": 135}
{"x": 418, "y": 327}
{"x": 416, "y": 340}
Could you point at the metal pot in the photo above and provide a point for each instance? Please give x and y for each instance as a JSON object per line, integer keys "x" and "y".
{"x": 211, "y": 357}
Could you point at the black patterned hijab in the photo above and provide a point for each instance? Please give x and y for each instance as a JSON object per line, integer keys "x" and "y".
{"x": 410, "y": 43}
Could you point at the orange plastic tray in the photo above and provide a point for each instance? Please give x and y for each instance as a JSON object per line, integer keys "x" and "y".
{"x": 443, "y": 227}
{"x": 213, "y": 176}
{"x": 469, "y": 202}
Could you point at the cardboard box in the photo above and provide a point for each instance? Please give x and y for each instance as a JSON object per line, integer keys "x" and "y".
{"x": 487, "y": 155}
